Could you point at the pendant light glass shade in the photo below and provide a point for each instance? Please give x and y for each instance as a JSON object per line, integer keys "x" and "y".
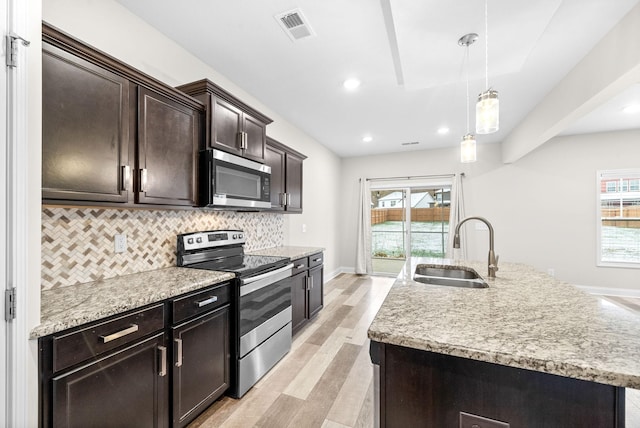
{"x": 468, "y": 149}
{"x": 487, "y": 112}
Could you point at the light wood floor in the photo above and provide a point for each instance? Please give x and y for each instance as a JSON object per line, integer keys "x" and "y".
{"x": 326, "y": 380}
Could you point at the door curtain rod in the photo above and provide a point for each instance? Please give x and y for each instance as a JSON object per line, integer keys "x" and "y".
{"x": 415, "y": 177}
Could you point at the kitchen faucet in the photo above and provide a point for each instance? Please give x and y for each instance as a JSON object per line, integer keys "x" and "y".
{"x": 493, "y": 259}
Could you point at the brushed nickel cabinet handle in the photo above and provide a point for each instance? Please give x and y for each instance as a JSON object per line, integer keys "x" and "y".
{"x": 318, "y": 259}
{"x": 300, "y": 266}
{"x": 143, "y": 180}
{"x": 126, "y": 175}
{"x": 288, "y": 199}
{"x": 179, "y": 359}
{"x": 282, "y": 198}
{"x": 163, "y": 360}
{"x": 118, "y": 334}
{"x": 209, "y": 301}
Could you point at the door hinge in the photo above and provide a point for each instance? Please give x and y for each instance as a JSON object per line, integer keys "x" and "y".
{"x": 10, "y": 304}
{"x": 11, "y": 41}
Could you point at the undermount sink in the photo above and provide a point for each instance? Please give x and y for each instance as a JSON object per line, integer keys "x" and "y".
{"x": 453, "y": 277}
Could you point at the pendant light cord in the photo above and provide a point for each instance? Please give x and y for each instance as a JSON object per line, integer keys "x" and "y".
{"x": 468, "y": 65}
{"x": 486, "y": 43}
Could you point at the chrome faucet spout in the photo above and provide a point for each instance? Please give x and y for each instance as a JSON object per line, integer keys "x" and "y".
{"x": 493, "y": 259}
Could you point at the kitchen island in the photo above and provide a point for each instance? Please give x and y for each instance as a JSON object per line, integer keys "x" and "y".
{"x": 529, "y": 351}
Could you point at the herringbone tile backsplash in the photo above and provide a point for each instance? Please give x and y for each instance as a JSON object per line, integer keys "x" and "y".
{"x": 77, "y": 243}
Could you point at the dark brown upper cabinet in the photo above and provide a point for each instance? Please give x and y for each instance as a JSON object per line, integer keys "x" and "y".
{"x": 231, "y": 125}
{"x": 85, "y": 128}
{"x": 168, "y": 140}
{"x": 112, "y": 135}
{"x": 286, "y": 176}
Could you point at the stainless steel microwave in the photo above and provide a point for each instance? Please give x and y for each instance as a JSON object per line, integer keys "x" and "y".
{"x": 231, "y": 182}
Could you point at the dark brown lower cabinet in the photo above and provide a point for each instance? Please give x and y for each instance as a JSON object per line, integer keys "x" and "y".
{"x": 201, "y": 364}
{"x": 306, "y": 290}
{"x": 126, "y": 388}
{"x": 426, "y": 389}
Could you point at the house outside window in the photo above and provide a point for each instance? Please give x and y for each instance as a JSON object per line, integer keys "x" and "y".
{"x": 618, "y": 217}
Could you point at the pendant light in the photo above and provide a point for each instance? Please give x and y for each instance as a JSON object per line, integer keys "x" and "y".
{"x": 468, "y": 144}
{"x": 488, "y": 105}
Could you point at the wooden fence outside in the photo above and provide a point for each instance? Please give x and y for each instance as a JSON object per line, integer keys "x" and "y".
{"x": 381, "y": 215}
{"x": 630, "y": 217}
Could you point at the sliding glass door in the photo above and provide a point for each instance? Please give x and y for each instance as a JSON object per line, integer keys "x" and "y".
{"x": 408, "y": 222}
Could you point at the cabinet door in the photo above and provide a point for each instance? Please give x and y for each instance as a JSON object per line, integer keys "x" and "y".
{"x": 168, "y": 139}
{"x": 315, "y": 290}
{"x": 256, "y": 134}
{"x": 298, "y": 300}
{"x": 294, "y": 183}
{"x": 226, "y": 124}
{"x": 85, "y": 130}
{"x": 201, "y": 364}
{"x": 125, "y": 389}
{"x": 275, "y": 158}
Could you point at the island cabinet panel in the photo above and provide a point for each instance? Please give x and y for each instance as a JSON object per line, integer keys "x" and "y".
{"x": 168, "y": 139}
{"x": 85, "y": 129}
{"x": 425, "y": 389}
{"x": 286, "y": 176}
{"x": 231, "y": 125}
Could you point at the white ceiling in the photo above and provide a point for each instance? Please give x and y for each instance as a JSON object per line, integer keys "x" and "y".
{"x": 405, "y": 52}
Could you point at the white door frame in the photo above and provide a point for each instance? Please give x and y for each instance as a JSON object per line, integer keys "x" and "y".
{"x": 4, "y": 345}
{"x": 18, "y": 360}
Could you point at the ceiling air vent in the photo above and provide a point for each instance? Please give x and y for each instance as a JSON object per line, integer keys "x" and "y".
{"x": 410, "y": 143}
{"x": 295, "y": 24}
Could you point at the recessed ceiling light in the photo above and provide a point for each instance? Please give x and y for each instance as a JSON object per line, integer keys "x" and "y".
{"x": 367, "y": 138}
{"x": 443, "y": 130}
{"x": 351, "y": 84}
{"x": 631, "y": 109}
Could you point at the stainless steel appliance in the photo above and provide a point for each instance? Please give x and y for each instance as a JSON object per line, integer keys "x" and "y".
{"x": 261, "y": 301}
{"x": 229, "y": 181}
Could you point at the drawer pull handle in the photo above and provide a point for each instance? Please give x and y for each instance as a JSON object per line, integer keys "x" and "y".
{"x": 317, "y": 260}
{"x": 119, "y": 334}
{"x": 209, "y": 301}
{"x": 163, "y": 360}
{"x": 179, "y": 359}
{"x": 300, "y": 266}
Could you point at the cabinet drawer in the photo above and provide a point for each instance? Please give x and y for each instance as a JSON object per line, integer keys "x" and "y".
{"x": 316, "y": 260}
{"x": 200, "y": 302}
{"x": 300, "y": 265}
{"x": 73, "y": 348}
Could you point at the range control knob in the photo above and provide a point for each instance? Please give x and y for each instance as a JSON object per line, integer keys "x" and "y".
{"x": 235, "y": 236}
{"x": 199, "y": 240}
{"x": 241, "y": 236}
{"x": 189, "y": 240}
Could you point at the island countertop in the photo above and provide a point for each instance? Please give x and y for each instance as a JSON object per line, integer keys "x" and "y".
{"x": 525, "y": 319}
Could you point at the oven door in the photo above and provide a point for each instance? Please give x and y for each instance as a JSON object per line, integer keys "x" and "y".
{"x": 265, "y": 307}
{"x": 232, "y": 181}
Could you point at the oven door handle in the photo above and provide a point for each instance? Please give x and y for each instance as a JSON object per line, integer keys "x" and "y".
{"x": 251, "y": 284}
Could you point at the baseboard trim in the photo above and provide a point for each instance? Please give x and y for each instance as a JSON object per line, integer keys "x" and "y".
{"x": 606, "y": 291}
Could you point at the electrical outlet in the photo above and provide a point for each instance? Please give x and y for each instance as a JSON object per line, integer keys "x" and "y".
{"x": 120, "y": 243}
{"x": 551, "y": 272}
{"x": 304, "y": 228}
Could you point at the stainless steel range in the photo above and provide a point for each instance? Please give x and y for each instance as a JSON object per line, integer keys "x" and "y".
{"x": 261, "y": 305}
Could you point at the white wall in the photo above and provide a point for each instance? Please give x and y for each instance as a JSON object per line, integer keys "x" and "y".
{"x": 111, "y": 28}
{"x": 543, "y": 207}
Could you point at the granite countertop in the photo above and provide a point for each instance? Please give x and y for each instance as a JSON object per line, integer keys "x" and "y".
{"x": 66, "y": 307}
{"x": 525, "y": 319}
{"x": 292, "y": 252}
